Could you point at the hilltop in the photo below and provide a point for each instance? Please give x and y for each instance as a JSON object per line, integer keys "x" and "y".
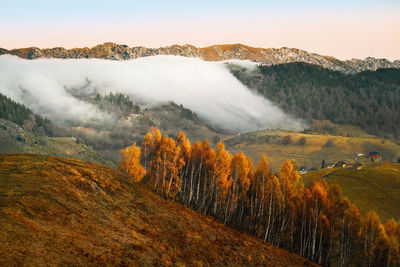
{"x": 374, "y": 187}
{"x": 68, "y": 212}
{"x": 211, "y": 53}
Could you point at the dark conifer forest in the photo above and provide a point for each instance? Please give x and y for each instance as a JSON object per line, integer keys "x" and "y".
{"x": 370, "y": 99}
{"x": 24, "y": 117}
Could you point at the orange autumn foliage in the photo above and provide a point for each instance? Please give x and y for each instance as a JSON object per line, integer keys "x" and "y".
{"x": 313, "y": 220}
{"x": 130, "y": 164}
{"x": 165, "y": 166}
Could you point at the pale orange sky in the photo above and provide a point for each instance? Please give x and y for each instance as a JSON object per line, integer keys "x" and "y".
{"x": 346, "y": 29}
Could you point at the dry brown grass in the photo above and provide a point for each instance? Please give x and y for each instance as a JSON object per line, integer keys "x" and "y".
{"x": 57, "y": 211}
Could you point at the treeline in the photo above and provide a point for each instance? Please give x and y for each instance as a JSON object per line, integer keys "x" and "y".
{"x": 186, "y": 113}
{"x": 314, "y": 221}
{"x": 24, "y": 117}
{"x": 118, "y": 104}
{"x": 370, "y": 100}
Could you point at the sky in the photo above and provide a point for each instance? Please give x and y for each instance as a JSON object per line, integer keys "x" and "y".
{"x": 343, "y": 29}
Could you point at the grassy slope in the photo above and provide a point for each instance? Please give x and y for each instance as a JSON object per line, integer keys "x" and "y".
{"x": 373, "y": 187}
{"x": 14, "y": 139}
{"x": 65, "y": 212}
{"x": 310, "y": 155}
{"x": 167, "y": 117}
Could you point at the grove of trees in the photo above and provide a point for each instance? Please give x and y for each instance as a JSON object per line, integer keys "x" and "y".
{"x": 118, "y": 104}
{"x": 313, "y": 220}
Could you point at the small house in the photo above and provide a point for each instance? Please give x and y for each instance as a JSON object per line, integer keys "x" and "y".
{"x": 374, "y": 156}
{"x": 340, "y": 164}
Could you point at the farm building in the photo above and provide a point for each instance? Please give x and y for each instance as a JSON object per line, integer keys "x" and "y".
{"x": 374, "y": 156}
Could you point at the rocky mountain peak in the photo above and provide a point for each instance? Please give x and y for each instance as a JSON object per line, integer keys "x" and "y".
{"x": 269, "y": 56}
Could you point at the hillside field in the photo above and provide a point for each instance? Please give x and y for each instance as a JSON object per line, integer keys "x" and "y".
{"x": 374, "y": 187}
{"x": 310, "y": 149}
{"x": 56, "y": 211}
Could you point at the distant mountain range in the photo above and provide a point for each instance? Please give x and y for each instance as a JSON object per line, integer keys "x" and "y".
{"x": 269, "y": 56}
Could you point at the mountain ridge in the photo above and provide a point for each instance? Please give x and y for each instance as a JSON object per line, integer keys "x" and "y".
{"x": 270, "y": 56}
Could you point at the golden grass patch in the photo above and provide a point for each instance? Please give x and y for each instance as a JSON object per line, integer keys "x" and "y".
{"x": 52, "y": 215}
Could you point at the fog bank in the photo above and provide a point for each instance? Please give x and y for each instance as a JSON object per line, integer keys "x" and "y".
{"x": 49, "y": 87}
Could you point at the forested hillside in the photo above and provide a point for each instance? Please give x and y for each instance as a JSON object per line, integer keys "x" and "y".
{"x": 368, "y": 99}
{"x": 24, "y": 117}
{"x": 118, "y": 104}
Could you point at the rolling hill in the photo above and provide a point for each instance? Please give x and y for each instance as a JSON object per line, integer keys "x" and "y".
{"x": 310, "y": 149}
{"x": 15, "y": 139}
{"x": 374, "y": 187}
{"x": 65, "y": 212}
{"x": 22, "y": 131}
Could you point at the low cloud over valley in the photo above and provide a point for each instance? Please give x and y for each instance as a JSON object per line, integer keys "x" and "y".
{"x": 51, "y": 87}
